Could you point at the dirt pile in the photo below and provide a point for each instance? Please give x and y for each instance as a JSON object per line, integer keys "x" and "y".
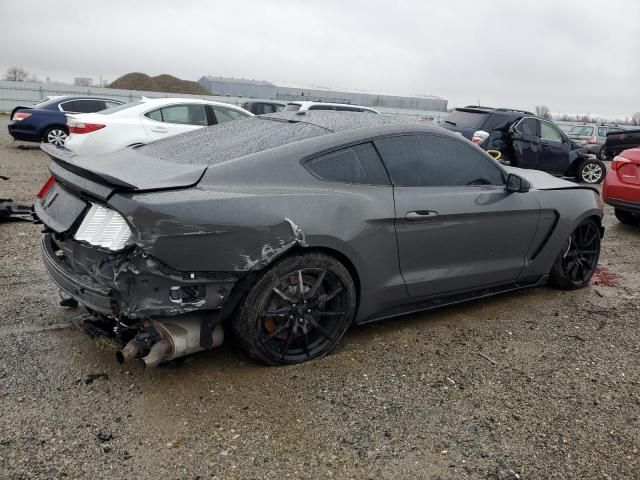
{"x": 159, "y": 83}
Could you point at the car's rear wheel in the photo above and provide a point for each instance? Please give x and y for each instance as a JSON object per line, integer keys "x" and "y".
{"x": 626, "y": 217}
{"x": 55, "y": 136}
{"x": 297, "y": 310}
{"x": 578, "y": 259}
{"x": 591, "y": 171}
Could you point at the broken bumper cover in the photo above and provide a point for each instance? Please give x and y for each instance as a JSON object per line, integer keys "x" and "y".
{"x": 130, "y": 284}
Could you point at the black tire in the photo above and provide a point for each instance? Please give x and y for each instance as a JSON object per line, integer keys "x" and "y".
{"x": 297, "y": 310}
{"x": 591, "y": 171}
{"x": 626, "y": 217}
{"x": 578, "y": 259}
{"x": 55, "y": 135}
{"x": 602, "y": 154}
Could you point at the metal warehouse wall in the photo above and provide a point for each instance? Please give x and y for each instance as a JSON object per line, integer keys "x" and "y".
{"x": 238, "y": 89}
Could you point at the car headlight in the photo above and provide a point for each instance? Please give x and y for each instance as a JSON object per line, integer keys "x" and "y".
{"x": 104, "y": 227}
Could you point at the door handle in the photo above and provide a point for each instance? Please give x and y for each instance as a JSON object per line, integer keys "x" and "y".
{"x": 420, "y": 215}
{"x": 159, "y": 130}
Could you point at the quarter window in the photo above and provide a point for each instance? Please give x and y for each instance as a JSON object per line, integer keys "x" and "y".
{"x": 357, "y": 164}
{"x": 227, "y": 114}
{"x": 602, "y": 131}
{"x": 435, "y": 161}
{"x": 550, "y": 132}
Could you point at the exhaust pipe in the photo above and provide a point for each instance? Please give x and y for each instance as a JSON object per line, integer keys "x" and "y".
{"x": 180, "y": 336}
{"x": 129, "y": 352}
{"x": 157, "y": 354}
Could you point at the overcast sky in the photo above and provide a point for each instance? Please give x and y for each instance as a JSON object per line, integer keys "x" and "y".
{"x": 573, "y": 56}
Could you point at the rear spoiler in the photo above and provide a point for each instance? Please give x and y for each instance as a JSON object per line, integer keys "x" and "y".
{"x": 65, "y": 159}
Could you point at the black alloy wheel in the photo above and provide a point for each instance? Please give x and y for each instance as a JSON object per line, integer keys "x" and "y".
{"x": 578, "y": 260}
{"x": 297, "y": 311}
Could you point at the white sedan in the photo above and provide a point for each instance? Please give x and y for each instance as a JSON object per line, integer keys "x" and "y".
{"x": 144, "y": 121}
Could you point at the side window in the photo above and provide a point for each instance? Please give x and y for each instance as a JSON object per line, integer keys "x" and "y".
{"x": 110, "y": 104}
{"x": 155, "y": 115}
{"x": 88, "y": 106}
{"x": 68, "y": 106}
{"x": 357, "y": 164}
{"x": 434, "y": 161}
{"x": 227, "y": 114}
{"x": 191, "y": 114}
{"x": 348, "y": 109}
{"x": 602, "y": 131}
{"x": 528, "y": 126}
{"x": 549, "y": 132}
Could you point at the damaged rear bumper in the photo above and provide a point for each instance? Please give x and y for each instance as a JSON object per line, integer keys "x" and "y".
{"x": 130, "y": 284}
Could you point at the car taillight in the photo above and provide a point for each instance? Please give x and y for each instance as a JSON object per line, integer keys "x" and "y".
{"x": 618, "y": 162}
{"x": 46, "y": 187}
{"x": 479, "y": 137}
{"x": 20, "y": 116}
{"x": 82, "y": 127}
{"x": 592, "y": 140}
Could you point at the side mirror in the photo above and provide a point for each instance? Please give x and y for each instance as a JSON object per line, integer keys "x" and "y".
{"x": 516, "y": 184}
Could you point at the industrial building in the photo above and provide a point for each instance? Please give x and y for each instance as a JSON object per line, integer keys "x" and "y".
{"x": 238, "y": 87}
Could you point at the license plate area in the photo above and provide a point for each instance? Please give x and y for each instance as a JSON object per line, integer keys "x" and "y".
{"x": 59, "y": 209}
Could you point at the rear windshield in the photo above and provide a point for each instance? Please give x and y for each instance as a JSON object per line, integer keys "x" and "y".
{"x": 124, "y": 106}
{"x": 466, "y": 118}
{"x": 292, "y": 107}
{"x": 581, "y": 130}
{"x": 229, "y": 140}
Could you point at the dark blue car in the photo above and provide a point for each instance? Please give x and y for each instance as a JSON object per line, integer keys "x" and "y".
{"x": 46, "y": 121}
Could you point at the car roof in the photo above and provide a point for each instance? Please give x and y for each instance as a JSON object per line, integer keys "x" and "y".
{"x": 500, "y": 111}
{"x": 273, "y": 102}
{"x": 172, "y": 100}
{"x": 231, "y": 140}
{"x": 309, "y": 103}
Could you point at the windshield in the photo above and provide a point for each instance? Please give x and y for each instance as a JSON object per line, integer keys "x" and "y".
{"x": 124, "y": 106}
{"x": 581, "y": 130}
{"x": 466, "y": 118}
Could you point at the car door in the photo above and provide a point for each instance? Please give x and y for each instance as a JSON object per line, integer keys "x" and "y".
{"x": 525, "y": 143}
{"x": 555, "y": 148}
{"x": 457, "y": 227}
{"x": 174, "y": 119}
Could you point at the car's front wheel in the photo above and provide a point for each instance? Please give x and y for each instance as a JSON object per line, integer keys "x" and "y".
{"x": 297, "y": 310}
{"x": 55, "y": 135}
{"x": 578, "y": 259}
{"x": 591, "y": 171}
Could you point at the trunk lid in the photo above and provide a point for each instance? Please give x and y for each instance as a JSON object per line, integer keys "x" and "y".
{"x": 126, "y": 169}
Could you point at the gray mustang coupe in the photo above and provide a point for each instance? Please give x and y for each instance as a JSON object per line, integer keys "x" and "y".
{"x": 287, "y": 228}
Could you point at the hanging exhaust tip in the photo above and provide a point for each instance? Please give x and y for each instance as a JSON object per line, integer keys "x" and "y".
{"x": 157, "y": 354}
{"x": 129, "y": 352}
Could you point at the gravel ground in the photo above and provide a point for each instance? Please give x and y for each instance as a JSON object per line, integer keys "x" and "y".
{"x": 543, "y": 384}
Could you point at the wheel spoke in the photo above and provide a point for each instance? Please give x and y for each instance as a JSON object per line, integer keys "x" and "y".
{"x": 276, "y": 332}
{"x": 321, "y": 329}
{"x": 305, "y": 338}
{"x": 324, "y": 313}
{"x": 287, "y": 344}
{"x": 283, "y": 295}
{"x": 300, "y": 285}
{"x": 327, "y": 298}
{"x": 283, "y": 312}
{"x": 316, "y": 285}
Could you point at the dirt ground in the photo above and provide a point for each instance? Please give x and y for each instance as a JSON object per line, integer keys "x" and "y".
{"x": 543, "y": 384}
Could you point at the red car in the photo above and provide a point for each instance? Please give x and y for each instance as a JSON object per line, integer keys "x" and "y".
{"x": 621, "y": 188}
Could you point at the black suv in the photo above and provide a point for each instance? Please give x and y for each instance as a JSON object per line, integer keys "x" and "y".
{"x": 525, "y": 140}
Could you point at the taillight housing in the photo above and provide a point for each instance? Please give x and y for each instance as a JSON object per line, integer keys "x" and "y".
{"x": 618, "y": 162}
{"x": 78, "y": 127}
{"x": 479, "y": 137}
{"x": 592, "y": 140}
{"x": 46, "y": 187}
{"x": 18, "y": 116}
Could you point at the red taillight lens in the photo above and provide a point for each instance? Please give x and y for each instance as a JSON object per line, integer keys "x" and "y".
{"x": 20, "y": 116}
{"x": 80, "y": 127}
{"x": 592, "y": 140}
{"x": 46, "y": 187}
{"x": 619, "y": 162}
